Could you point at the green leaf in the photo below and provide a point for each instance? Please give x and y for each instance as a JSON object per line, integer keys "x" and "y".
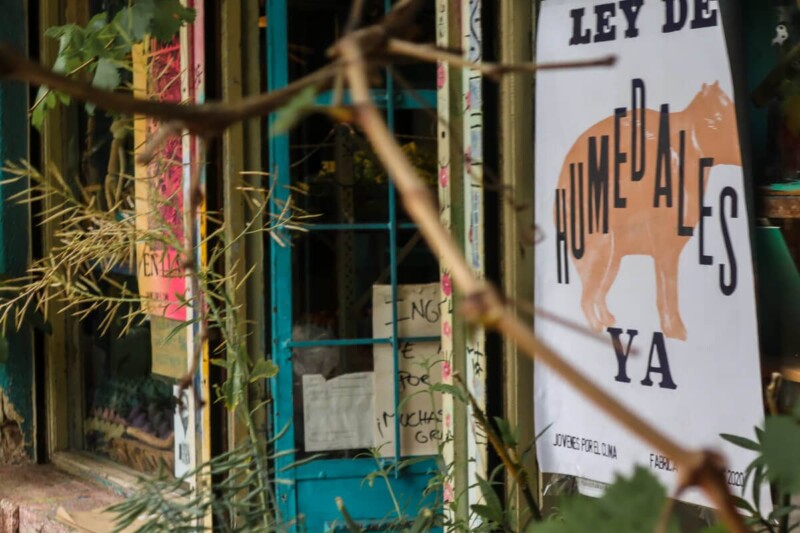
{"x": 106, "y": 75}
{"x": 134, "y": 21}
{"x": 50, "y": 101}
{"x": 180, "y": 328}
{"x": 781, "y": 442}
{"x": 487, "y": 512}
{"x": 449, "y": 389}
{"x": 741, "y": 442}
{"x": 97, "y": 22}
{"x": 491, "y": 500}
{"x": 506, "y": 433}
{"x": 219, "y": 361}
{"x": 70, "y": 39}
{"x": 780, "y": 512}
{"x": 37, "y": 117}
{"x": 743, "y": 504}
{"x": 629, "y": 506}
{"x": 56, "y": 32}
{"x": 168, "y": 17}
{"x": 93, "y": 46}
{"x": 295, "y": 110}
{"x": 758, "y": 479}
{"x": 263, "y": 369}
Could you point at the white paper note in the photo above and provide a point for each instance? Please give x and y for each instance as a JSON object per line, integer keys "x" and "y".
{"x": 338, "y": 412}
{"x": 418, "y": 315}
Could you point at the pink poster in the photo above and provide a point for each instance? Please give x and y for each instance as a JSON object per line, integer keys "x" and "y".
{"x": 166, "y": 72}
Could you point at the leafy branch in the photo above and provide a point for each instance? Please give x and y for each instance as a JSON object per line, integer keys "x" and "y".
{"x": 103, "y": 47}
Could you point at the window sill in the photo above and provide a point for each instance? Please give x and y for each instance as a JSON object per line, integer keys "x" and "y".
{"x": 115, "y": 477}
{"x": 30, "y": 496}
{"x": 119, "y": 480}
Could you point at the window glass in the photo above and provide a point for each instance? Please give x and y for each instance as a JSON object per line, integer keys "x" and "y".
{"x": 128, "y": 399}
{"x": 334, "y": 268}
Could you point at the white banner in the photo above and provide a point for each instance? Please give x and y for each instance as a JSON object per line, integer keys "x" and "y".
{"x": 640, "y": 198}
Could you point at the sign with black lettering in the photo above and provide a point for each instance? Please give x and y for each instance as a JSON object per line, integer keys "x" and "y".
{"x": 640, "y": 198}
{"x": 419, "y": 366}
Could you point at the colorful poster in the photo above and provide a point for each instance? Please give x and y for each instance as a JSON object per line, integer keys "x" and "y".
{"x": 640, "y": 197}
{"x": 174, "y": 72}
{"x": 159, "y": 192}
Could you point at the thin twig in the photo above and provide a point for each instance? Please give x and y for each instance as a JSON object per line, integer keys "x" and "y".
{"x": 571, "y": 325}
{"x": 433, "y": 54}
{"x": 771, "y": 393}
{"x": 205, "y": 119}
{"x": 74, "y": 71}
{"x": 354, "y": 19}
{"x": 666, "y": 514}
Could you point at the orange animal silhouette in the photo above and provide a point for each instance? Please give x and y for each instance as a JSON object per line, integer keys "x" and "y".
{"x": 640, "y": 228}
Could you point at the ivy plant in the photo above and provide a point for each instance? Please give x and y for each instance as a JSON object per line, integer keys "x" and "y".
{"x": 101, "y": 50}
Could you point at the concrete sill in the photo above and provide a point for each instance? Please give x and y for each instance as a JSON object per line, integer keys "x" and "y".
{"x": 31, "y": 494}
{"x": 116, "y": 478}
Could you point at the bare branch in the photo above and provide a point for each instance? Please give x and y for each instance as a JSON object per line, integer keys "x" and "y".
{"x": 433, "y": 54}
{"x": 571, "y": 325}
{"x": 205, "y": 119}
{"x": 354, "y": 19}
{"x": 155, "y": 141}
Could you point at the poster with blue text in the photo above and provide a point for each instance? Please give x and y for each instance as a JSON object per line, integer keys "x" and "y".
{"x": 640, "y": 200}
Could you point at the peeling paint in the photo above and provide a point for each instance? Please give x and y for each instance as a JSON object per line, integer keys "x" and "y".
{"x": 12, "y": 441}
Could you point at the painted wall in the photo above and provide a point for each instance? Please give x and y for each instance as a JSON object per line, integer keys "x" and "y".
{"x": 16, "y": 373}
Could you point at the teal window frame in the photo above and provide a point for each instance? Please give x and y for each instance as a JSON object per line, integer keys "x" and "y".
{"x": 280, "y": 280}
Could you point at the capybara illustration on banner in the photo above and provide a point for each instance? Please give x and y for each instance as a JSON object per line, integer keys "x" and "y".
{"x": 633, "y": 184}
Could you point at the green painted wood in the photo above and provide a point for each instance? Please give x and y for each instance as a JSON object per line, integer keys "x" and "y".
{"x": 310, "y": 490}
{"x": 16, "y": 374}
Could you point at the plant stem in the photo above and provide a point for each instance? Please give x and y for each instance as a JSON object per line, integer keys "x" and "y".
{"x": 517, "y": 473}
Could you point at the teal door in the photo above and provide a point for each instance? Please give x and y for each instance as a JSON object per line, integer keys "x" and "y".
{"x": 355, "y": 237}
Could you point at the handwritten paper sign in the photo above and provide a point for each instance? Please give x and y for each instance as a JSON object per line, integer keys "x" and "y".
{"x": 641, "y": 199}
{"x": 337, "y": 412}
{"x": 418, "y": 315}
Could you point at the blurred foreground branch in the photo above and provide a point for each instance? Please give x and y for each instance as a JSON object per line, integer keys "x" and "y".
{"x": 353, "y": 57}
